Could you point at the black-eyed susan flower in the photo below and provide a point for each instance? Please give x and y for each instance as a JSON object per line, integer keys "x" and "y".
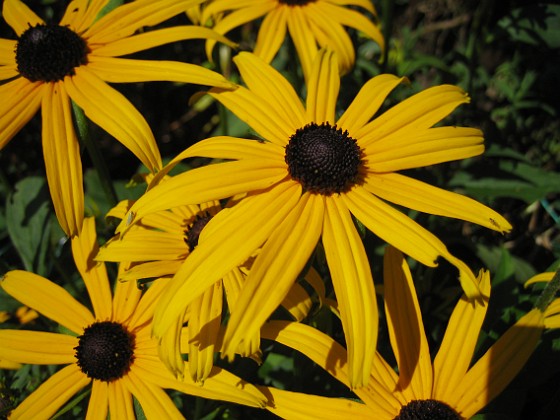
{"x": 50, "y": 64}
{"x": 450, "y": 387}
{"x": 312, "y": 25}
{"x": 110, "y": 349}
{"x": 304, "y": 180}
{"x": 158, "y": 247}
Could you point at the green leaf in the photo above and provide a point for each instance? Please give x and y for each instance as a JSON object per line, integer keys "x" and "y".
{"x": 28, "y": 218}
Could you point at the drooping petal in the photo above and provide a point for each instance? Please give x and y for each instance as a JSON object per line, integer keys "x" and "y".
{"x": 155, "y": 403}
{"x": 272, "y": 34}
{"x": 94, "y": 274}
{"x": 286, "y": 405}
{"x": 19, "y": 16}
{"x": 426, "y": 198}
{"x": 120, "y": 401}
{"x": 458, "y": 345}
{"x": 125, "y": 70}
{"x": 47, "y": 298}
{"x": 46, "y": 400}
{"x": 98, "y": 406}
{"x": 218, "y": 254}
{"x": 275, "y": 270}
{"x": 273, "y": 88}
{"x": 115, "y": 114}
{"x": 37, "y": 347}
{"x": 406, "y": 329}
{"x": 353, "y": 286}
{"x": 414, "y": 149}
{"x": 367, "y": 102}
{"x": 322, "y": 88}
{"x": 499, "y": 365}
{"x": 21, "y": 100}
{"x": 304, "y": 41}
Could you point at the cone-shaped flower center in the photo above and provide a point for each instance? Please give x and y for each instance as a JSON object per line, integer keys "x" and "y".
{"x": 427, "y": 410}
{"x": 48, "y": 53}
{"x": 105, "y": 351}
{"x": 193, "y": 232}
{"x": 323, "y": 159}
{"x": 295, "y": 2}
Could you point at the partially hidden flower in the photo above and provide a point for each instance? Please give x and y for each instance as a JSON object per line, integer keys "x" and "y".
{"x": 449, "y": 387}
{"x": 110, "y": 349}
{"x": 312, "y": 25}
{"x": 49, "y": 65}
{"x": 305, "y": 179}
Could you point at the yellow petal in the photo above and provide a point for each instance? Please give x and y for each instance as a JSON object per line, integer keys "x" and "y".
{"x": 272, "y": 34}
{"x": 98, "y": 405}
{"x": 80, "y": 14}
{"x": 406, "y": 329}
{"x": 322, "y": 88}
{"x": 493, "y": 372}
{"x": 297, "y": 302}
{"x": 84, "y": 248}
{"x": 19, "y": 16}
{"x": 458, "y": 345}
{"x": 366, "y": 4}
{"x": 7, "y": 52}
{"x": 147, "y": 305}
{"x": 353, "y": 285}
{"x": 115, "y": 114}
{"x": 144, "y": 245}
{"x": 125, "y": 301}
{"x": 120, "y": 401}
{"x": 21, "y": 100}
{"x": 47, "y": 298}
{"x": 37, "y": 347}
{"x": 304, "y": 41}
{"x": 423, "y": 197}
{"x": 275, "y": 270}
{"x": 124, "y": 70}
{"x": 46, "y": 400}
{"x": 542, "y": 277}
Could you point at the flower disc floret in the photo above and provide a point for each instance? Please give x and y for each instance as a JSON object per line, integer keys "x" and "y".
{"x": 427, "y": 410}
{"x": 324, "y": 159}
{"x": 105, "y": 351}
{"x": 48, "y": 53}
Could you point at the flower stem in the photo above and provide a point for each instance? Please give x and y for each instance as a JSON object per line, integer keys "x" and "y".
{"x": 95, "y": 155}
{"x": 387, "y": 8}
{"x": 549, "y": 292}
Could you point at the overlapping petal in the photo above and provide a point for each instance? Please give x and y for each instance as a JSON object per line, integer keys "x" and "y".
{"x": 271, "y": 34}
{"x": 322, "y": 88}
{"x": 19, "y": 16}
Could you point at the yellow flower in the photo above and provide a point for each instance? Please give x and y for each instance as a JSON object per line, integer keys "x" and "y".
{"x": 312, "y": 24}
{"x": 304, "y": 181}
{"x": 158, "y": 247}
{"x": 449, "y": 387}
{"x": 111, "y": 348}
{"x": 49, "y": 65}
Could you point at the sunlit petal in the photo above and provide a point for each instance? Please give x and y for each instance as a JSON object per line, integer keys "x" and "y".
{"x": 323, "y": 87}
{"x": 37, "y": 347}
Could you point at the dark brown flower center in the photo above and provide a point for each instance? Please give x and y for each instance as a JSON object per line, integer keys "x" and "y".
{"x": 105, "y": 351}
{"x": 193, "y": 232}
{"x": 48, "y": 53}
{"x": 324, "y": 159}
{"x": 427, "y": 410}
{"x": 295, "y": 2}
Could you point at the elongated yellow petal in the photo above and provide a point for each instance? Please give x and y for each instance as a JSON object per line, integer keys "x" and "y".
{"x": 264, "y": 81}
{"x": 155, "y": 403}
{"x": 286, "y": 405}
{"x": 37, "y": 347}
{"x": 457, "y": 348}
{"x": 304, "y": 41}
{"x": 8, "y": 72}
{"x": 144, "y": 245}
{"x": 115, "y": 114}
{"x": 275, "y": 270}
{"x": 48, "y": 298}
{"x": 7, "y": 52}
{"x": 212, "y": 182}
{"x": 127, "y": 294}
{"x": 21, "y": 100}
{"x": 423, "y": 197}
{"x": 80, "y": 14}
{"x": 120, "y": 401}
{"x": 419, "y": 112}
{"x": 126, "y": 19}
{"x": 156, "y": 38}
{"x": 94, "y": 274}
{"x": 45, "y": 401}
{"x": 124, "y": 70}
{"x": 353, "y": 285}
{"x": 98, "y": 406}
{"x": 272, "y": 34}
{"x": 19, "y": 16}
{"x": 414, "y": 148}
{"x": 216, "y": 255}
{"x": 406, "y": 329}
{"x": 367, "y": 102}
{"x": 151, "y": 270}
{"x": 366, "y": 4}
{"x": 297, "y": 302}
{"x": 542, "y": 277}
{"x": 500, "y": 364}
{"x": 145, "y": 310}
{"x": 224, "y": 147}
{"x": 323, "y": 87}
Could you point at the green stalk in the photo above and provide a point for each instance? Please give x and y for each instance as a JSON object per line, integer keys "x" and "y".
{"x": 387, "y": 9}
{"x": 549, "y": 292}
{"x": 93, "y": 151}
